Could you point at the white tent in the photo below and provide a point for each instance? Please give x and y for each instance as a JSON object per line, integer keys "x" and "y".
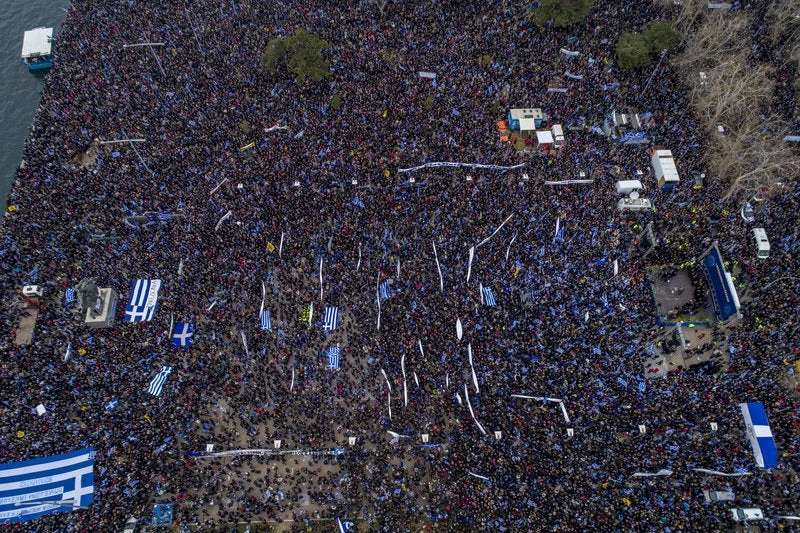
{"x": 37, "y": 43}
{"x": 544, "y": 137}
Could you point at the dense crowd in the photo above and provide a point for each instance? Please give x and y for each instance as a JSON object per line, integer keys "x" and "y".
{"x": 190, "y": 100}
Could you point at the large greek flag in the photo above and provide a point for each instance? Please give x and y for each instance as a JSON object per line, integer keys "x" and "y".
{"x": 157, "y": 383}
{"x": 333, "y": 357}
{"x": 331, "y": 318}
{"x": 144, "y": 300}
{"x": 759, "y": 434}
{"x": 33, "y": 488}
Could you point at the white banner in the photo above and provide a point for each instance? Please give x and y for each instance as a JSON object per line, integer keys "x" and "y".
{"x": 427, "y": 75}
{"x": 457, "y": 165}
{"x": 663, "y": 472}
{"x": 268, "y": 451}
{"x": 557, "y": 89}
{"x": 573, "y": 76}
{"x": 569, "y": 53}
{"x": 718, "y": 473}
{"x": 568, "y": 182}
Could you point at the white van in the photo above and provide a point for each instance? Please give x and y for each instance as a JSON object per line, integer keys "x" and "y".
{"x": 628, "y": 186}
{"x": 762, "y": 243}
{"x": 742, "y": 514}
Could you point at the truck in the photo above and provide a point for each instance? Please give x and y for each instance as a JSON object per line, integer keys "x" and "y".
{"x": 664, "y": 168}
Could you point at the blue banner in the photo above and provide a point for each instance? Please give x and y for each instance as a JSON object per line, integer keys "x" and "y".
{"x": 720, "y": 289}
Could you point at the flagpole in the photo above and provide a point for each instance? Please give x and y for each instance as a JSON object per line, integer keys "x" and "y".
{"x": 320, "y": 279}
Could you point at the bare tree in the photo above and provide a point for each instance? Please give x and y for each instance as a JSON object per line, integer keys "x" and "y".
{"x": 736, "y": 92}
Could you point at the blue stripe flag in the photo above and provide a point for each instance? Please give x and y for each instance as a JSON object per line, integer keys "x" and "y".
{"x": 344, "y": 525}
{"x": 488, "y": 296}
{"x": 385, "y": 291}
{"x": 266, "y": 322}
{"x": 144, "y": 300}
{"x": 331, "y": 318}
{"x": 69, "y": 296}
{"x": 333, "y": 357}
{"x": 157, "y": 383}
{"x": 37, "y": 487}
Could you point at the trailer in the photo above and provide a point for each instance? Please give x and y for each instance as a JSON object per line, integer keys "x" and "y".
{"x": 664, "y": 168}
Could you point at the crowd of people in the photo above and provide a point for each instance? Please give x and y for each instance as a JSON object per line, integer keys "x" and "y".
{"x": 565, "y": 324}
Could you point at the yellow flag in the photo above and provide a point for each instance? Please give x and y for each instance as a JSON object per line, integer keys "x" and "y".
{"x": 247, "y": 147}
{"x": 270, "y": 247}
{"x": 12, "y": 208}
{"x": 626, "y": 501}
{"x": 385, "y": 113}
{"x": 517, "y": 270}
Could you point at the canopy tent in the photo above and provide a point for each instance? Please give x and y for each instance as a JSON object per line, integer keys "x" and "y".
{"x": 759, "y": 434}
{"x": 721, "y": 288}
{"x": 525, "y": 119}
{"x": 37, "y": 43}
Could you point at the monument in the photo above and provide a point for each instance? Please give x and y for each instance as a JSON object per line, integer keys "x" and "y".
{"x": 98, "y": 304}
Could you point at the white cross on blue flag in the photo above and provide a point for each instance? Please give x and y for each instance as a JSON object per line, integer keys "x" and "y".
{"x": 182, "y": 336}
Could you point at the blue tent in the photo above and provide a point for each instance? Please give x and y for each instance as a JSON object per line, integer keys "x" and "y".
{"x": 759, "y": 434}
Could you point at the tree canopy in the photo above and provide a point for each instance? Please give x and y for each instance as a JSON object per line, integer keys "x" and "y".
{"x": 301, "y": 54}
{"x": 662, "y": 36}
{"x": 633, "y": 51}
{"x": 562, "y": 12}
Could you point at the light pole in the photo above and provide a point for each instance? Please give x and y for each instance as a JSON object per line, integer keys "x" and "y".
{"x": 771, "y": 283}
{"x": 650, "y": 79}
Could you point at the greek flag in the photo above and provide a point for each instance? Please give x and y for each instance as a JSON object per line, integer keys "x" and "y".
{"x": 144, "y": 300}
{"x": 266, "y": 322}
{"x": 358, "y": 202}
{"x": 385, "y": 291}
{"x": 488, "y": 295}
{"x": 157, "y": 383}
{"x": 163, "y": 217}
{"x": 69, "y": 297}
{"x": 330, "y": 319}
{"x": 37, "y": 487}
{"x": 112, "y": 404}
{"x": 344, "y": 525}
{"x": 182, "y": 336}
{"x": 333, "y": 357}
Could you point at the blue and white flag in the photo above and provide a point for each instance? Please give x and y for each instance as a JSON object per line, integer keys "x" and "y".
{"x": 112, "y": 404}
{"x": 37, "y": 487}
{"x": 157, "y": 383}
{"x": 385, "y": 291}
{"x": 265, "y": 320}
{"x": 333, "y": 357}
{"x": 330, "y": 319}
{"x": 69, "y": 297}
{"x": 488, "y": 295}
{"x": 344, "y": 525}
{"x": 182, "y": 336}
{"x": 144, "y": 300}
{"x": 163, "y": 217}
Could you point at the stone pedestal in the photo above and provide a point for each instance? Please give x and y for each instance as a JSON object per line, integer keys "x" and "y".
{"x": 105, "y": 317}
